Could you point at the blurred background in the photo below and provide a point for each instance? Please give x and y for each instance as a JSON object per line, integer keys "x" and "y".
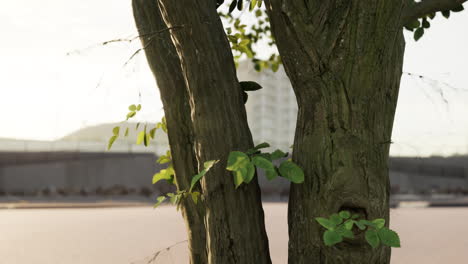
{"x": 64, "y": 86}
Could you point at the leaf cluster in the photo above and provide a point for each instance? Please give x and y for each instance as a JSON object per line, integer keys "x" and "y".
{"x": 243, "y": 165}
{"x": 176, "y": 198}
{"x": 418, "y": 26}
{"x": 133, "y": 109}
{"x": 243, "y": 37}
{"x": 340, "y": 226}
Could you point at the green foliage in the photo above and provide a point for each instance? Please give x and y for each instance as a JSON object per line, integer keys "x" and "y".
{"x": 340, "y": 226}
{"x": 164, "y": 174}
{"x": 243, "y": 165}
{"x": 111, "y": 142}
{"x": 243, "y": 38}
{"x": 133, "y": 110}
{"x": 176, "y": 198}
{"x": 116, "y": 130}
{"x": 419, "y": 25}
{"x": 291, "y": 171}
{"x": 250, "y": 86}
{"x": 206, "y": 167}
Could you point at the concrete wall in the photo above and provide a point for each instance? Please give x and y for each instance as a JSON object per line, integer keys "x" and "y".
{"x": 82, "y": 171}
{"x": 29, "y": 173}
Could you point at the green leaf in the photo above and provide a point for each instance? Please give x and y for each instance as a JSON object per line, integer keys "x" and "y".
{"x": 458, "y": 8}
{"x": 262, "y": 145}
{"x": 325, "y": 222}
{"x": 147, "y": 140}
{"x": 425, "y": 23}
{"x": 250, "y": 86}
{"x": 175, "y": 198}
{"x": 130, "y": 115}
{"x": 196, "y": 178}
{"x": 164, "y": 124}
{"x": 116, "y": 131}
{"x": 232, "y": 39}
{"x": 152, "y": 132}
{"x": 265, "y": 156}
{"x": 195, "y": 196}
{"x": 232, "y": 6}
{"x": 446, "y": 13}
{"x": 240, "y": 4}
{"x": 263, "y": 163}
{"x": 247, "y": 173}
{"x": 336, "y": 219}
{"x": 111, "y": 142}
{"x": 138, "y": 108}
{"x": 160, "y": 199}
{"x": 164, "y": 174}
{"x": 126, "y": 132}
{"x": 413, "y": 24}
{"x": 244, "y": 42}
{"x": 389, "y": 237}
{"x": 360, "y": 225}
{"x": 418, "y": 33}
{"x": 331, "y": 238}
{"x": 252, "y": 4}
{"x": 245, "y": 97}
{"x": 206, "y": 167}
{"x": 238, "y": 179}
{"x": 372, "y": 238}
{"x": 379, "y": 223}
{"x": 354, "y": 216}
{"x": 260, "y": 3}
{"x": 141, "y": 137}
{"x": 291, "y": 171}
{"x": 345, "y": 214}
{"x": 278, "y": 154}
{"x": 237, "y": 160}
{"x": 163, "y": 159}
{"x": 344, "y": 232}
{"x": 349, "y": 224}
{"x": 132, "y": 108}
{"x": 366, "y": 222}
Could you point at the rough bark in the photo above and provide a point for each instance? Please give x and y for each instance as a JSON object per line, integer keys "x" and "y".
{"x": 234, "y": 219}
{"x": 165, "y": 64}
{"x": 344, "y": 60}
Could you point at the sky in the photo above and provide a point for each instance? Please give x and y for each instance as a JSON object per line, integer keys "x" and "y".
{"x": 55, "y": 77}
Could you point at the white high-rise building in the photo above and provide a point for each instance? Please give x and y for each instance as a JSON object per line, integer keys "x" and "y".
{"x": 271, "y": 111}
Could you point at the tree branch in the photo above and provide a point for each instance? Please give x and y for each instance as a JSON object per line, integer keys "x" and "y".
{"x": 420, "y": 9}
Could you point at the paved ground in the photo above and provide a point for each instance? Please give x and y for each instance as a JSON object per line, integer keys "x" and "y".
{"x": 132, "y": 235}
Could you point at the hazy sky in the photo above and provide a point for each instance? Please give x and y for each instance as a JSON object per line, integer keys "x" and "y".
{"x": 46, "y": 93}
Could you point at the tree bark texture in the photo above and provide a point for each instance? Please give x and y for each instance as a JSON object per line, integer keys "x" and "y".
{"x": 344, "y": 59}
{"x": 234, "y": 218}
{"x": 165, "y": 64}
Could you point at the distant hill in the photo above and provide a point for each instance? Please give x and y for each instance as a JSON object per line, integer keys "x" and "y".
{"x": 102, "y": 133}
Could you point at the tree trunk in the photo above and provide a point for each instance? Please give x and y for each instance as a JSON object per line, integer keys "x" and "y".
{"x": 165, "y": 64}
{"x": 234, "y": 218}
{"x": 344, "y": 59}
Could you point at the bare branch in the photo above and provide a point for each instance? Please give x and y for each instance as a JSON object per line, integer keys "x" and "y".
{"x": 119, "y": 40}
{"x": 138, "y": 51}
{"x": 420, "y": 9}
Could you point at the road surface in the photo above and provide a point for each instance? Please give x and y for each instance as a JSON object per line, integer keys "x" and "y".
{"x": 133, "y": 235}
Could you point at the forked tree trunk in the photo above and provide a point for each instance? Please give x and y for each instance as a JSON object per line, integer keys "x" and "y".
{"x": 234, "y": 219}
{"x": 344, "y": 59}
{"x": 165, "y": 64}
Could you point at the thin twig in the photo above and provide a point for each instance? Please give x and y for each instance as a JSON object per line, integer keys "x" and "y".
{"x": 119, "y": 40}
